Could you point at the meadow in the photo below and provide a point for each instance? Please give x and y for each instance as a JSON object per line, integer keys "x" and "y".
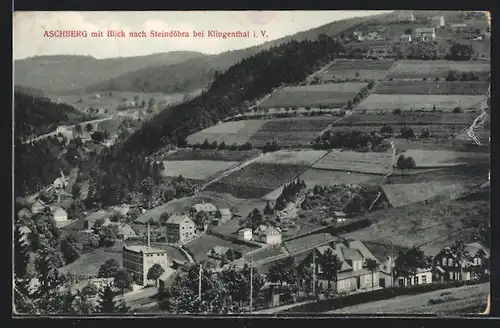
{"x": 302, "y": 157}
{"x": 314, "y": 177}
{"x": 407, "y": 117}
{"x": 432, "y": 87}
{"x": 413, "y": 69}
{"x": 196, "y": 170}
{"x": 441, "y": 158}
{"x": 351, "y": 161}
{"x": 331, "y": 95}
{"x": 202, "y": 245}
{"x": 405, "y": 102}
{"x": 238, "y": 132}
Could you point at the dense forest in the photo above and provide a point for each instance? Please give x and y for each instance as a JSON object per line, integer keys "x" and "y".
{"x": 34, "y": 116}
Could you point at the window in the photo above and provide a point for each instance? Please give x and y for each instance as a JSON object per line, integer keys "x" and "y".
{"x": 320, "y": 269}
{"x": 347, "y": 283}
{"x": 444, "y": 260}
{"x": 416, "y": 280}
{"x": 424, "y": 279}
{"x": 368, "y": 279}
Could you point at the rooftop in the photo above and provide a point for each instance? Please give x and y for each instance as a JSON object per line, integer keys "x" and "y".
{"x": 225, "y": 211}
{"x": 177, "y": 218}
{"x": 205, "y": 207}
{"x": 97, "y": 215}
{"x": 144, "y": 249}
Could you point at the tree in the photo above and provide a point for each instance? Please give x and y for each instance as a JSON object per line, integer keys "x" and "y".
{"x": 122, "y": 280}
{"x": 407, "y": 133}
{"x": 386, "y": 130}
{"x": 457, "y": 110}
{"x": 108, "y": 269}
{"x": 410, "y": 162}
{"x": 88, "y": 127}
{"x": 164, "y": 218}
{"x": 425, "y": 134}
{"x": 372, "y": 265}
{"x": 206, "y": 144}
{"x": 268, "y": 210}
{"x": 107, "y": 303}
{"x": 151, "y": 103}
{"x": 408, "y": 31}
{"x": 401, "y": 163}
{"x": 146, "y": 188}
{"x": 409, "y": 261}
{"x": 396, "y": 111}
{"x": 461, "y": 255}
{"x": 69, "y": 249}
{"x": 155, "y": 272}
{"x": 306, "y": 275}
{"x": 98, "y": 136}
{"x": 255, "y": 219}
{"x": 222, "y": 145}
{"x": 452, "y": 76}
{"x": 331, "y": 266}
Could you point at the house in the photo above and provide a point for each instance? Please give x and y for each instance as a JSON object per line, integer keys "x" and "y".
{"x": 38, "y": 207}
{"x": 101, "y": 283}
{"x": 358, "y": 36}
{"x": 245, "y": 234}
{"x": 59, "y": 215}
{"x": 224, "y": 253}
{"x": 167, "y": 279}
{"x": 374, "y": 35}
{"x": 425, "y": 33}
{"x": 405, "y": 16}
{"x": 438, "y": 21}
{"x": 422, "y": 276}
{"x": 125, "y": 231}
{"x": 24, "y": 233}
{"x": 352, "y": 274}
{"x": 208, "y": 208}
{"x": 137, "y": 260}
{"x": 267, "y": 234}
{"x": 99, "y": 216}
{"x": 179, "y": 228}
{"x": 340, "y": 216}
{"x": 458, "y": 27}
{"x": 405, "y": 38}
{"x": 447, "y": 266}
{"x": 379, "y": 51}
{"x": 224, "y": 215}
{"x": 60, "y": 183}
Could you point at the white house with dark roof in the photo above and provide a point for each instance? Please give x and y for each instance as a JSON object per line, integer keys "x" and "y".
{"x": 425, "y": 33}
{"x": 245, "y": 234}
{"x": 59, "y": 215}
{"x": 179, "y": 228}
{"x": 208, "y": 208}
{"x": 267, "y": 235}
{"x": 138, "y": 259}
{"x": 38, "y": 207}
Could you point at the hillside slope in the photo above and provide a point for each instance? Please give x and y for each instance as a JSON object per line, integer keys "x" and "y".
{"x": 37, "y": 115}
{"x": 197, "y": 73}
{"x": 63, "y": 73}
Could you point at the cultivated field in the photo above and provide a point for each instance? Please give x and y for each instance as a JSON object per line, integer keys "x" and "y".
{"x": 436, "y": 130}
{"x": 200, "y": 246}
{"x": 298, "y": 131}
{"x": 444, "y": 301}
{"x": 111, "y": 126}
{"x": 418, "y": 69}
{"x": 431, "y": 226}
{"x": 408, "y": 193}
{"x": 314, "y": 177}
{"x": 388, "y": 102}
{"x": 410, "y": 118}
{"x": 196, "y": 170}
{"x": 476, "y": 174}
{"x": 308, "y": 242}
{"x": 302, "y": 157}
{"x": 432, "y": 87}
{"x": 256, "y": 180}
{"x": 264, "y": 253}
{"x": 230, "y": 132}
{"x": 351, "y": 161}
{"x": 441, "y": 158}
{"x": 357, "y": 69}
{"x": 331, "y": 95}
{"x": 211, "y": 155}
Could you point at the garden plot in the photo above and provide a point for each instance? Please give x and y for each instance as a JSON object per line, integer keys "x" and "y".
{"x": 432, "y": 87}
{"x": 230, "y": 132}
{"x": 331, "y": 95}
{"x": 196, "y": 170}
{"x": 351, "y": 161}
{"x": 314, "y": 177}
{"x": 297, "y": 131}
{"x": 408, "y": 193}
{"x": 443, "y": 158}
{"x": 414, "y": 118}
{"x": 388, "y": 102}
{"x": 418, "y": 69}
{"x": 357, "y": 69}
{"x": 199, "y": 247}
{"x": 302, "y": 157}
{"x": 257, "y": 179}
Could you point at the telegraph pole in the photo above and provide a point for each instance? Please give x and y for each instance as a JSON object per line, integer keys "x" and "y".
{"x": 392, "y": 264}
{"x": 251, "y": 282}
{"x": 199, "y": 282}
{"x": 314, "y": 272}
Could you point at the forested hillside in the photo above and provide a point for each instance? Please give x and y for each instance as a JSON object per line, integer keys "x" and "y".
{"x": 28, "y": 91}
{"x": 198, "y": 72}
{"x": 65, "y": 73}
{"x": 34, "y": 116}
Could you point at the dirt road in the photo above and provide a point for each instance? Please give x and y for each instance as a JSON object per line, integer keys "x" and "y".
{"x": 445, "y": 301}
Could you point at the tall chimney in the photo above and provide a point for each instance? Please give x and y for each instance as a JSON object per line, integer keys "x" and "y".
{"x": 149, "y": 239}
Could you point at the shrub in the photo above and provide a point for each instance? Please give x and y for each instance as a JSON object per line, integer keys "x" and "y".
{"x": 396, "y": 111}
{"x": 407, "y": 133}
{"x": 457, "y": 110}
